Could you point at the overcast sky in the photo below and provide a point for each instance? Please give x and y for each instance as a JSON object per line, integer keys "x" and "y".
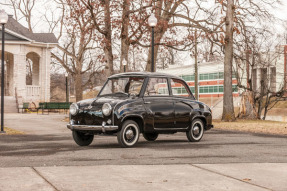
{"x": 282, "y": 13}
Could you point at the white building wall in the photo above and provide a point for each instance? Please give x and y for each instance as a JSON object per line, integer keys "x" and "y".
{"x": 213, "y": 67}
{"x": 280, "y": 73}
{"x": 41, "y": 81}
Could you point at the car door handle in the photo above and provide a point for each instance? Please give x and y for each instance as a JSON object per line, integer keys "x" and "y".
{"x": 147, "y": 102}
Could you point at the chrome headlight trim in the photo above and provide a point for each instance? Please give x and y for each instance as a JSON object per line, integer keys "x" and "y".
{"x": 107, "y": 109}
{"x": 74, "y": 109}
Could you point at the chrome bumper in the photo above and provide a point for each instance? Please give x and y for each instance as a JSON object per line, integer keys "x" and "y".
{"x": 104, "y": 128}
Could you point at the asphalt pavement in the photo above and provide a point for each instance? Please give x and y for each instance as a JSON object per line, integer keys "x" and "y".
{"x": 46, "y": 158}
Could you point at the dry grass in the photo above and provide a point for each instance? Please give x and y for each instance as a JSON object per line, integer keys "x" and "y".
{"x": 281, "y": 104}
{"x": 10, "y": 131}
{"x": 254, "y": 126}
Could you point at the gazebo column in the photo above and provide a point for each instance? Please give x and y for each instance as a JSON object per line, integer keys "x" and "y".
{"x": 20, "y": 75}
{"x": 45, "y": 60}
{"x": 10, "y": 79}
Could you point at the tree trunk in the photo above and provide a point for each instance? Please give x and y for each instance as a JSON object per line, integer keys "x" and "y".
{"x": 108, "y": 39}
{"x": 124, "y": 35}
{"x": 260, "y": 100}
{"x": 228, "y": 108}
{"x": 79, "y": 86}
{"x": 267, "y": 102}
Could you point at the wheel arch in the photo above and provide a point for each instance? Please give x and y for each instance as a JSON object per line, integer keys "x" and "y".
{"x": 202, "y": 118}
{"x": 137, "y": 118}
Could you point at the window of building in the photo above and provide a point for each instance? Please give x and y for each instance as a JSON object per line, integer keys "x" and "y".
{"x": 221, "y": 75}
{"x": 192, "y": 89}
{"x": 188, "y": 78}
{"x": 207, "y": 76}
{"x": 179, "y": 88}
{"x": 214, "y": 89}
{"x": 221, "y": 89}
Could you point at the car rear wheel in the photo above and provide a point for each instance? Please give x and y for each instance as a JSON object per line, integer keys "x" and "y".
{"x": 82, "y": 139}
{"x": 129, "y": 134}
{"x": 196, "y": 131}
{"x": 150, "y": 136}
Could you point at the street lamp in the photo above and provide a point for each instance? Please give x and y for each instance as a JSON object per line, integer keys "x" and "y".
{"x": 67, "y": 88}
{"x": 152, "y": 22}
{"x": 124, "y": 64}
{"x": 3, "y": 21}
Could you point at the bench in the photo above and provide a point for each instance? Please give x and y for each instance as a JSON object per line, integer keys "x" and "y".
{"x": 49, "y": 106}
{"x": 25, "y": 107}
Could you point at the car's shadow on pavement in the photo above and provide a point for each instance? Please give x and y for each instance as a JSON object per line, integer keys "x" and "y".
{"x": 36, "y": 145}
{"x": 49, "y": 144}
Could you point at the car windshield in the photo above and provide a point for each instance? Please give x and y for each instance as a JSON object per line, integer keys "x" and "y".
{"x": 123, "y": 86}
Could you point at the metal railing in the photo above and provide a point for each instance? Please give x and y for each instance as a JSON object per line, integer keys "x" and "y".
{"x": 33, "y": 90}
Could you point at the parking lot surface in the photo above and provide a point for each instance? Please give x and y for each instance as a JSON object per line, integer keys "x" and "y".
{"x": 48, "y": 142}
{"x": 223, "y": 160}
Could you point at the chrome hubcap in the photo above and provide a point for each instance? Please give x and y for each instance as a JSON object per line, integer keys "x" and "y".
{"x": 129, "y": 134}
{"x": 196, "y": 130}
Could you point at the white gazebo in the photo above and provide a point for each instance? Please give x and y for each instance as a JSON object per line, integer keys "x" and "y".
{"x": 23, "y": 47}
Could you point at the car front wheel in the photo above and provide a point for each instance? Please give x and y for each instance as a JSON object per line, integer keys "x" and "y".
{"x": 82, "y": 139}
{"x": 196, "y": 131}
{"x": 150, "y": 136}
{"x": 129, "y": 134}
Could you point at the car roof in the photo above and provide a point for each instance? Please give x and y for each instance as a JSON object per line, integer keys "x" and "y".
{"x": 144, "y": 74}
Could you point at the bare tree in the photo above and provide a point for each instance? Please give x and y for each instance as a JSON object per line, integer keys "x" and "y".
{"x": 228, "y": 108}
{"x": 22, "y": 9}
{"x": 76, "y": 53}
{"x": 262, "y": 88}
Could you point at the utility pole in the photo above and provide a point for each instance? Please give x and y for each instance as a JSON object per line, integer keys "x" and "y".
{"x": 285, "y": 68}
{"x": 195, "y": 67}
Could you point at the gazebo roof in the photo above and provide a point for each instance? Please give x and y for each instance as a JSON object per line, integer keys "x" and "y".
{"x": 16, "y": 29}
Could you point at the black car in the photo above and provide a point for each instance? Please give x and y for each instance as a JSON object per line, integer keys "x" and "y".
{"x": 140, "y": 102}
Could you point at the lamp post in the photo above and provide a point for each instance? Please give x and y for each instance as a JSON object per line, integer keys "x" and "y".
{"x": 152, "y": 22}
{"x": 3, "y": 21}
{"x": 67, "y": 88}
{"x": 124, "y": 64}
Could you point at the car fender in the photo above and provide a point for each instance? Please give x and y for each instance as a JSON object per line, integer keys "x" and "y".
{"x": 136, "y": 117}
{"x": 202, "y": 117}
{"x": 130, "y": 116}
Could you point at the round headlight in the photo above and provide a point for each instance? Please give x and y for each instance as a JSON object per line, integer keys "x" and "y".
{"x": 107, "y": 109}
{"x": 74, "y": 109}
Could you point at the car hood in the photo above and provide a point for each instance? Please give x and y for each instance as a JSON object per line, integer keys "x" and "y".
{"x": 98, "y": 102}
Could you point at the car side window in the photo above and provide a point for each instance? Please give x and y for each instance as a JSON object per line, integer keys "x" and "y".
{"x": 157, "y": 87}
{"x": 179, "y": 88}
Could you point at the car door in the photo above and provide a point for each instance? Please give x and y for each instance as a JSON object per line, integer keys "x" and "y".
{"x": 182, "y": 98}
{"x": 159, "y": 104}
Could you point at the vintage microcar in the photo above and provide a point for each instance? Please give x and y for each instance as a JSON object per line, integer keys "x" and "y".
{"x": 140, "y": 102}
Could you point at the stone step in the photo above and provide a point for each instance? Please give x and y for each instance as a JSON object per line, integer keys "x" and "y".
{"x": 9, "y": 104}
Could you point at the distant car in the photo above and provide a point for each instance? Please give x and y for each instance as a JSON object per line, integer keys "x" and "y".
{"x": 133, "y": 103}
